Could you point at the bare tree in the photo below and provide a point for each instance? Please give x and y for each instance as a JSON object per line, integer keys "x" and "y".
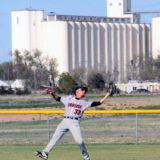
{"x": 34, "y": 68}
{"x": 53, "y": 73}
{"x": 147, "y": 71}
{"x": 6, "y": 71}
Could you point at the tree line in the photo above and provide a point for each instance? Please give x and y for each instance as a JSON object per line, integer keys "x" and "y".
{"x": 147, "y": 69}
{"x": 34, "y": 68}
{"x": 37, "y": 69}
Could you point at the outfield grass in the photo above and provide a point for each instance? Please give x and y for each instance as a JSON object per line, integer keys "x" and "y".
{"x": 72, "y": 152}
{"x": 43, "y": 101}
{"x": 119, "y": 129}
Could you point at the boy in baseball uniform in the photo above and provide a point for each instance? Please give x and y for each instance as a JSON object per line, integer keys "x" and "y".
{"x": 75, "y": 105}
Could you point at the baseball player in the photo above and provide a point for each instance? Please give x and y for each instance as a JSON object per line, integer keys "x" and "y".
{"x": 75, "y": 105}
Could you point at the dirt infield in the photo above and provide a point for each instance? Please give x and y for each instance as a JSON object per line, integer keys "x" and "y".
{"x": 132, "y": 102}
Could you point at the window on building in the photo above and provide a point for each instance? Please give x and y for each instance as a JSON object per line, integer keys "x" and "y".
{"x": 111, "y": 20}
{"x": 123, "y": 19}
{"x": 134, "y": 88}
{"x": 117, "y": 19}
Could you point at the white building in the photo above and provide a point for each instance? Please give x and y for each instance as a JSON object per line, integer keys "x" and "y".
{"x": 121, "y": 8}
{"x": 26, "y": 29}
{"x": 94, "y": 43}
{"x": 134, "y": 85}
{"x": 156, "y": 37}
{"x": 31, "y": 32}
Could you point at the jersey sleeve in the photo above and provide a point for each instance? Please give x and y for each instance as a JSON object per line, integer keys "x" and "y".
{"x": 86, "y": 105}
{"x": 65, "y": 99}
{"x": 95, "y": 103}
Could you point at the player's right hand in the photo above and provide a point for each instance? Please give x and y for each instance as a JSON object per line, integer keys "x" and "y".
{"x": 47, "y": 89}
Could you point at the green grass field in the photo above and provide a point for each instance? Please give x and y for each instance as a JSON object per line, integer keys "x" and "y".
{"x": 119, "y": 129}
{"x": 72, "y": 152}
{"x": 20, "y": 139}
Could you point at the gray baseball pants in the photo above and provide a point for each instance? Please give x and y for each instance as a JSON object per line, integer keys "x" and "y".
{"x": 74, "y": 127}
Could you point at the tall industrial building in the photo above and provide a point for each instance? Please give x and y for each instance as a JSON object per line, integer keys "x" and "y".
{"x": 155, "y": 37}
{"x": 94, "y": 43}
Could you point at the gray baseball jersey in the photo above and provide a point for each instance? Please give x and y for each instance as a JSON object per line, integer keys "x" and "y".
{"x": 74, "y": 107}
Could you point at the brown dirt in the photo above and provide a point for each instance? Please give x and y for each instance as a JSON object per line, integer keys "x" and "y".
{"x": 132, "y": 102}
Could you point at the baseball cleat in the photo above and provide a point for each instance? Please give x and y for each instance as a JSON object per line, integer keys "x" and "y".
{"x": 42, "y": 155}
{"x": 86, "y": 158}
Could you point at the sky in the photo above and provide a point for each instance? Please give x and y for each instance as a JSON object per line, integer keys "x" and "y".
{"x": 67, "y": 7}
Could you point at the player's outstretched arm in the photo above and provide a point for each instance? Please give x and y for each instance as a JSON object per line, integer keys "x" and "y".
{"x": 97, "y": 103}
{"x": 105, "y": 97}
{"x": 49, "y": 90}
{"x": 53, "y": 94}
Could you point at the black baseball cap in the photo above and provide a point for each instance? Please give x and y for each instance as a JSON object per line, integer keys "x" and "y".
{"x": 83, "y": 88}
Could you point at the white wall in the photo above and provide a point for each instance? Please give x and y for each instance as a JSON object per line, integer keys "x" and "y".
{"x": 54, "y": 42}
{"x": 115, "y": 8}
{"x": 118, "y": 9}
{"x": 25, "y": 32}
{"x": 106, "y": 46}
{"x": 20, "y": 30}
{"x": 156, "y": 37}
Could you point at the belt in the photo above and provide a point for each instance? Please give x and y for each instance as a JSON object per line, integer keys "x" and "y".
{"x": 74, "y": 118}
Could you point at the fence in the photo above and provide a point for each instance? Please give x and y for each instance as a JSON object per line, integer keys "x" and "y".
{"x": 98, "y": 126}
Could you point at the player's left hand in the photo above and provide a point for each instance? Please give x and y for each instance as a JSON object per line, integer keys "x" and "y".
{"x": 49, "y": 90}
{"x": 109, "y": 90}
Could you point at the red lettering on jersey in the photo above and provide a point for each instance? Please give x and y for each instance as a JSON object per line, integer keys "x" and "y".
{"x": 74, "y": 105}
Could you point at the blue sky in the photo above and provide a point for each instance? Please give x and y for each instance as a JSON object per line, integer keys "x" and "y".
{"x": 70, "y": 7}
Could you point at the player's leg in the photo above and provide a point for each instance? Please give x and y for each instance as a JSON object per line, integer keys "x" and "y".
{"x": 77, "y": 135}
{"x": 84, "y": 151}
{"x": 59, "y": 133}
